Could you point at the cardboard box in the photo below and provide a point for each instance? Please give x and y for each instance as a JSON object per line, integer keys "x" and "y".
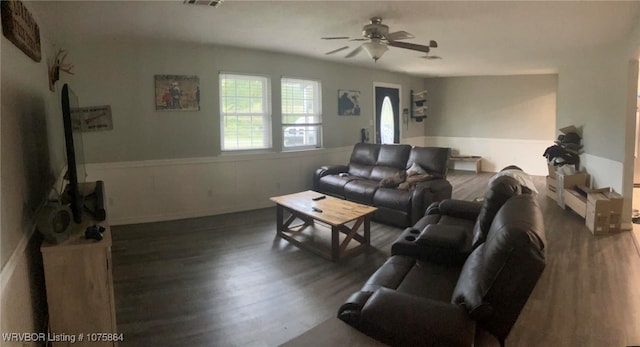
{"x": 571, "y": 199}
{"x": 598, "y": 211}
{"x": 615, "y": 210}
{"x": 604, "y": 211}
{"x": 552, "y": 183}
{"x": 571, "y": 181}
{"x": 552, "y": 188}
{"x": 571, "y": 129}
{"x": 575, "y": 201}
{"x": 552, "y": 171}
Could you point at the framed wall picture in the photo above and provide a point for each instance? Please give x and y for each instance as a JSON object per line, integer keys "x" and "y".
{"x": 92, "y": 118}
{"x": 348, "y": 102}
{"x": 19, "y": 26}
{"x": 177, "y": 93}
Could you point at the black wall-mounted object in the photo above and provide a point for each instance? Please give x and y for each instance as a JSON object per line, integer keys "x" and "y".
{"x": 418, "y": 104}
{"x": 364, "y": 135}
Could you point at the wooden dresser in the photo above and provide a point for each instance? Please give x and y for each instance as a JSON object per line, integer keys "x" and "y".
{"x": 79, "y": 286}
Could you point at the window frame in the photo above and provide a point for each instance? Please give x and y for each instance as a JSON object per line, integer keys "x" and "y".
{"x": 317, "y": 84}
{"x": 266, "y": 113}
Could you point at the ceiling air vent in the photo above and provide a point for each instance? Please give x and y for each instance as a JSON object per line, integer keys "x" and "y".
{"x": 212, "y": 3}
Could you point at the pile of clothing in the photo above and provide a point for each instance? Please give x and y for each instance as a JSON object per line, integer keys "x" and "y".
{"x": 565, "y": 151}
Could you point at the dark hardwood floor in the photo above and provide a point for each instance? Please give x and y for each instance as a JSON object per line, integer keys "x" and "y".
{"x": 228, "y": 281}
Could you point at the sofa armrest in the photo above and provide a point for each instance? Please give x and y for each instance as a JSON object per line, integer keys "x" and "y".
{"x": 426, "y": 193}
{"x": 327, "y": 170}
{"x": 438, "y": 186}
{"x": 460, "y": 209}
{"x": 332, "y": 169}
{"x": 436, "y": 243}
{"x": 401, "y": 319}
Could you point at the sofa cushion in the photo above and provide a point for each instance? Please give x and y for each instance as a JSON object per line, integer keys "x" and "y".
{"x": 415, "y": 169}
{"x": 458, "y": 222}
{"x": 411, "y": 181}
{"x": 365, "y": 153}
{"x": 361, "y": 190}
{"x": 393, "y": 156}
{"x": 360, "y": 170}
{"x": 379, "y": 173}
{"x": 430, "y": 280}
{"x": 445, "y": 236}
{"x": 392, "y": 198}
{"x": 334, "y": 184}
{"x": 393, "y": 181}
{"x": 433, "y": 160}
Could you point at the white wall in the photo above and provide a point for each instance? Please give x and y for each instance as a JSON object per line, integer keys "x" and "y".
{"x": 596, "y": 92}
{"x": 508, "y": 120}
{"x": 32, "y": 154}
{"x": 122, "y": 75}
{"x": 168, "y": 165}
{"x": 155, "y": 190}
{"x": 496, "y": 153}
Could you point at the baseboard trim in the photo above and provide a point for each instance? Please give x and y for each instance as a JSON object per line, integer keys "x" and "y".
{"x": 185, "y": 215}
{"x": 18, "y": 252}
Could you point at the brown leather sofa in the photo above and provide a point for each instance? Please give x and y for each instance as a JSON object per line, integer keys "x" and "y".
{"x": 360, "y": 180}
{"x": 418, "y": 298}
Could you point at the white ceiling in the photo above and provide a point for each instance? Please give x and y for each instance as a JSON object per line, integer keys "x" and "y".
{"x": 475, "y": 38}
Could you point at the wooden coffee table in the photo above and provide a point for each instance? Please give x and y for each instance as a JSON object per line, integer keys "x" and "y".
{"x": 341, "y": 217}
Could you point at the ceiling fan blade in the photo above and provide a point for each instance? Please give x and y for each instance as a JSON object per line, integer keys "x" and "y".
{"x": 354, "y": 52}
{"x": 335, "y": 38}
{"x": 399, "y": 35}
{"x": 433, "y": 44}
{"x": 362, "y": 39}
{"x": 431, "y": 57}
{"x": 411, "y": 46}
{"x": 337, "y": 50}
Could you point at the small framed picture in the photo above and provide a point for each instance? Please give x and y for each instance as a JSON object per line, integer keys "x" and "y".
{"x": 348, "y": 102}
{"x": 177, "y": 93}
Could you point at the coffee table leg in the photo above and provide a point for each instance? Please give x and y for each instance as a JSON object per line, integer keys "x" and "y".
{"x": 335, "y": 243}
{"x": 279, "y": 219}
{"x": 367, "y": 230}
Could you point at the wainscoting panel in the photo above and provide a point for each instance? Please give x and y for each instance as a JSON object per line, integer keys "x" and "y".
{"x": 497, "y": 153}
{"x": 158, "y": 190}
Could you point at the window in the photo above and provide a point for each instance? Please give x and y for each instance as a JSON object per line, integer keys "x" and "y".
{"x": 301, "y": 114}
{"x": 387, "y": 126}
{"x": 245, "y": 112}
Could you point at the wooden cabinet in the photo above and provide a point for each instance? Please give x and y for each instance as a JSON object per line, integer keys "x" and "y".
{"x": 79, "y": 287}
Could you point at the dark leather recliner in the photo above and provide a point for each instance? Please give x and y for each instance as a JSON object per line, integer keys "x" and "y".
{"x": 359, "y": 181}
{"x": 411, "y": 301}
{"x": 451, "y": 229}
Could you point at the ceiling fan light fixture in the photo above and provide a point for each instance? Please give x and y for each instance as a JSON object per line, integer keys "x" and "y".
{"x": 375, "y": 49}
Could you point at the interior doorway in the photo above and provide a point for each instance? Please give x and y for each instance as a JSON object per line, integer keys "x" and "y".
{"x": 635, "y": 201}
{"x": 387, "y": 113}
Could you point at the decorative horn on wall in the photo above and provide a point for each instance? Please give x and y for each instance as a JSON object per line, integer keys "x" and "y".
{"x": 58, "y": 65}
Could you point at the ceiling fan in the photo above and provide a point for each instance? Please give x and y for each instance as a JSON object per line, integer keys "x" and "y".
{"x": 378, "y": 38}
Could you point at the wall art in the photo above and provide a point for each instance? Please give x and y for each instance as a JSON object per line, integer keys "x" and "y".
{"x": 348, "y": 102}
{"x": 20, "y": 28}
{"x": 92, "y": 118}
{"x": 177, "y": 93}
